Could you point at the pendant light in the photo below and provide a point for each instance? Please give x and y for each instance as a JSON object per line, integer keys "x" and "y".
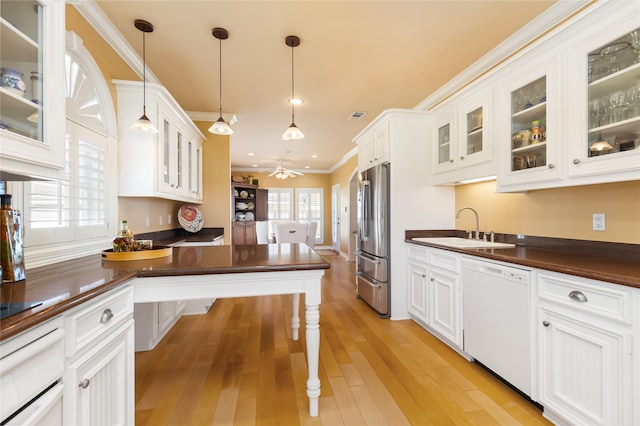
{"x": 220, "y": 126}
{"x": 600, "y": 145}
{"x": 292, "y": 132}
{"x": 144, "y": 124}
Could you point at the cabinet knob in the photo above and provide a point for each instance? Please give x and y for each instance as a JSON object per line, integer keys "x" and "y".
{"x": 462, "y": 157}
{"x": 552, "y": 166}
{"x": 451, "y": 160}
{"x": 576, "y": 161}
{"x": 546, "y": 323}
{"x": 432, "y": 279}
{"x": 578, "y": 296}
{"x": 106, "y": 316}
{"x": 84, "y": 384}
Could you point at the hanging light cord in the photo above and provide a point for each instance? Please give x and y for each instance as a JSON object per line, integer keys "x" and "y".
{"x": 144, "y": 73}
{"x": 220, "y": 52}
{"x": 292, "y": 80}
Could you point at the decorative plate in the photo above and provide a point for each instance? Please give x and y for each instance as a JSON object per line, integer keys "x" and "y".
{"x": 250, "y": 206}
{"x": 190, "y": 218}
{"x": 235, "y": 193}
{"x": 244, "y": 194}
{"x": 249, "y": 216}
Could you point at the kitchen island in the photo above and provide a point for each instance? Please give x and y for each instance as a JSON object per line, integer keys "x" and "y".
{"x": 188, "y": 273}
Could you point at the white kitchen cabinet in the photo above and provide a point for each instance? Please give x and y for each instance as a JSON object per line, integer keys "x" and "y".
{"x": 462, "y": 138}
{"x": 604, "y": 76}
{"x": 32, "y": 110}
{"x": 373, "y": 148}
{"x": 154, "y": 320}
{"x": 586, "y": 361}
{"x": 164, "y": 165}
{"x": 531, "y": 96}
{"x": 434, "y": 291}
{"x": 99, "y": 373}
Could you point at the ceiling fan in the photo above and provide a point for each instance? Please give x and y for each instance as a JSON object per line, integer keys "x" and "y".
{"x": 282, "y": 172}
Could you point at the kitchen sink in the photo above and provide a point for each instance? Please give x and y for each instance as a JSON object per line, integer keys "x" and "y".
{"x": 462, "y": 243}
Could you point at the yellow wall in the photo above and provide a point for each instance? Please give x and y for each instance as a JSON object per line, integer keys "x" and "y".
{"x": 342, "y": 175}
{"x": 216, "y": 198}
{"x": 561, "y": 212}
{"x": 309, "y": 180}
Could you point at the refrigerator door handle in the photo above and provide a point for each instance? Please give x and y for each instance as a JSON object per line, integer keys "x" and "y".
{"x": 367, "y": 257}
{"x": 366, "y": 201}
{"x": 372, "y": 281}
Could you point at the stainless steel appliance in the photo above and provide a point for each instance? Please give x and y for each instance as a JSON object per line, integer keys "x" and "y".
{"x": 372, "y": 272}
{"x": 496, "y": 311}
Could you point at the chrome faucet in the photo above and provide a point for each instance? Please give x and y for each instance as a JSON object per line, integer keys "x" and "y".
{"x": 477, "y": 222}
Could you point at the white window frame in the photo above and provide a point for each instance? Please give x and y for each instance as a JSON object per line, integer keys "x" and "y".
{"x": 312, "y": 218}
{"x": 277, "y": 192}
{"x": 90, "y": 116}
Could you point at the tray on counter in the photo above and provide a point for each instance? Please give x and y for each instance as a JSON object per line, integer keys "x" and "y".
{"x": 154, "y": 253}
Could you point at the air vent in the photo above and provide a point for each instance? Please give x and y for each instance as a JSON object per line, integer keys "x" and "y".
{"x": 357, "y": 115}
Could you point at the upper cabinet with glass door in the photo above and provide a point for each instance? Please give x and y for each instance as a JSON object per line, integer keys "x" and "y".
{"x": 463, "y": 138}
{"x": 606, "y": 146}
{"x": 529, "y": 123}
{"x": 31, "y": 89}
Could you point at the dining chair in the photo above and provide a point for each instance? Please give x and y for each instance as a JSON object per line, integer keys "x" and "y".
{"x": 262, "y": 233}
{"x": 291, "y": 232}
{"x": 311, "y": 234}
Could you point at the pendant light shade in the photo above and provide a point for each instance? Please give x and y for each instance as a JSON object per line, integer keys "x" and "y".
{"x": 144, "y": 124}
{"x": 220, "y": 127}
{"x": 600, "y": 145}
{"x": 292, "y": 132}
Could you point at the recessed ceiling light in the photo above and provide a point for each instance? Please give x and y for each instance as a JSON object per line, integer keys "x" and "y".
{"x": 251, "y": 154}
{"x": 306, "y": 167}
{"x": 295, "y": 101}
{"x": 314, "y": 156}
{"x": 254, "y": 165}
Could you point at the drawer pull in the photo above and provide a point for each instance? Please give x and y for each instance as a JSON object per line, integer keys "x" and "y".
{"x": 546, "y": 323}
{"x": 106, "y": 316}
{"x": 84, "y": 384}
{"x": 578, "y": 296}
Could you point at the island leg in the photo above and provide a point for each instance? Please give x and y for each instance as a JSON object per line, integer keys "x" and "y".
{"x": 295, "y": 318}
{"x": 312, "y": 317}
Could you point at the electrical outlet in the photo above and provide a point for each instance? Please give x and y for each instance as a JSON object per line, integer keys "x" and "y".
{"x": 161, "y": 221}
{"x": 598, "y": 222}
{"x": 147, "y": 222}
{"x": 168, "y": 219}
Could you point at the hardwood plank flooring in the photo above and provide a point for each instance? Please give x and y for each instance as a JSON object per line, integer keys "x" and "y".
{"x": 237, "y": 365}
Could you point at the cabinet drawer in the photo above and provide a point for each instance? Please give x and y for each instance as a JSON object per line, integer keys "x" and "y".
{"x": 445, "y": 260}
{"x": 585, "y": 295}
{"x": 418, "y": 253}
{"x": 97, "y": 318}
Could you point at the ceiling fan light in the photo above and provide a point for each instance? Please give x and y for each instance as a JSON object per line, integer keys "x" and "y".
{"x": 220, "y": 127}
{"x": 281, "y": 175}
{"x": 292, "y": 133}
{"x": 144, "y": 125}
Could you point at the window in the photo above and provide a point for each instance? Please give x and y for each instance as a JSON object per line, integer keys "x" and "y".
{"x": 76, "y": 209}
{"x": 280, "y": 206}
{"x": 310, "y": 208}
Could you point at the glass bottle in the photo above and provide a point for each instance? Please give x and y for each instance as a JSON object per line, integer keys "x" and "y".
{"x": 124, "y": 238}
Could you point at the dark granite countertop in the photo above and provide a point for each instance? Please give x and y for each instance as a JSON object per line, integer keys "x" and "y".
{"x": 63, "y": 285}
{"x": 616, "y": 263}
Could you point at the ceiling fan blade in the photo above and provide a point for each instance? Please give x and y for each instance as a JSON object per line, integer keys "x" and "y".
{"x": 297, "y": 173}
{"x": 273, "y": 172}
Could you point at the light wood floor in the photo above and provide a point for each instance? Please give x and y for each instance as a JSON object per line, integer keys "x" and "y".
{"x": 238, "y": 365}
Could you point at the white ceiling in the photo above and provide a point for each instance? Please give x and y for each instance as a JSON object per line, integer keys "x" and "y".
{"x": 354, "y": 56}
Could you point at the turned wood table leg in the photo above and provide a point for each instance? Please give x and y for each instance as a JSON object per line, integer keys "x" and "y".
{"x": 295, "y": 318}
{"x": 313, "y": 354}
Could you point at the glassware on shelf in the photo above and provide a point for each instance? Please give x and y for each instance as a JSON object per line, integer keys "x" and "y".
{"x": 635, "y": 44}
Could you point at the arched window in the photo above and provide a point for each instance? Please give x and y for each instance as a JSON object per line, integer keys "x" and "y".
{"x": 70, "y": 218}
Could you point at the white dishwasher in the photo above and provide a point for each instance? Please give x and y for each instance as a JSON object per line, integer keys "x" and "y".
{"x": 496, "y": 319}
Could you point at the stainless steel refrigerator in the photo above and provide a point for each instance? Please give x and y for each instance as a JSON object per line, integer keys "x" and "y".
{"x": 372, "y": 255}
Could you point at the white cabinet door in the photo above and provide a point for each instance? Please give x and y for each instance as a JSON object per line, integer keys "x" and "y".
{"x": 32, "y": 110}
{"x": 526, "y": 159}
{"x": 418, "y": 291}
{"x": 445, "y": 303}
{"x": 604, "y": 73}
{"x": 381, "y": 144}
{"x": 101, "y": 382}
{"x": 445, "y": 141}
{"x": 584, "y": 370}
